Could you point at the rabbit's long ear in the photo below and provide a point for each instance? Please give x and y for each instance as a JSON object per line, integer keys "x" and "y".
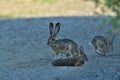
{"x": 81, "y": 50}
{"x": 111, "y": 41}
{"x": 57, "y": 28}
{"x": 51, "y": 27}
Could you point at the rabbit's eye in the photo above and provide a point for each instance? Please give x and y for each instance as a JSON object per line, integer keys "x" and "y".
{"x": 52, "y": 39}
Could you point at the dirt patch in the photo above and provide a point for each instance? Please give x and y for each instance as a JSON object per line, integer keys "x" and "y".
{"x": 31, "y": 8}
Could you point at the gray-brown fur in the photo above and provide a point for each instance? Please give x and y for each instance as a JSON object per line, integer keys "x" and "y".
{"x": 61, "y": 46}
{"x": 72, "y": 61}
{"x": 102, "y": 44}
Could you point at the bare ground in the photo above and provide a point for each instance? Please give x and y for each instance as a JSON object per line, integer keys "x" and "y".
{"x": 36, "y": 8}
{"x": 24, "y": 54}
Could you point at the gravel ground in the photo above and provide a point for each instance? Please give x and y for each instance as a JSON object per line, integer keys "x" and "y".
{"x": 24, "y": 54}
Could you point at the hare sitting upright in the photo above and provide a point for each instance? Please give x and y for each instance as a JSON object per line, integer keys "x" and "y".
{"x": 102, "y": 44}
{"x": 61, "y": 46}
{"x": 72, "y": 61}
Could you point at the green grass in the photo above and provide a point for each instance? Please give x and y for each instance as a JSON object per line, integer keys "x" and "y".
{"x": 6, "y": 15}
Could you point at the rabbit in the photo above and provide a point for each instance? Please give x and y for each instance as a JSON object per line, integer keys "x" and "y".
{"x": 102, "y": 44}
{"x": 61, "y": 46}
{"x": 72, "y": 61}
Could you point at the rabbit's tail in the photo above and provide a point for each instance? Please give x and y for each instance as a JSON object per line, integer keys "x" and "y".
{"x": 90, "y": 44}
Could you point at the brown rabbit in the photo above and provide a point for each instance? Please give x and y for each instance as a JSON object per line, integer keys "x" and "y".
{"x": 61, "y": 46}
{"x": 102, "y": 44}
{"x": 72, "y": 61}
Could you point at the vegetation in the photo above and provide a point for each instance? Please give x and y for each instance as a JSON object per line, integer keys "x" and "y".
{"x": 49, "y": 1}
{"x": 113, "y": 5}
{"x": 24, "y": 8}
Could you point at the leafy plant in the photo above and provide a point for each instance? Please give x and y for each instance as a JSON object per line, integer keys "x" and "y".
{"x": 114, "y": 6}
